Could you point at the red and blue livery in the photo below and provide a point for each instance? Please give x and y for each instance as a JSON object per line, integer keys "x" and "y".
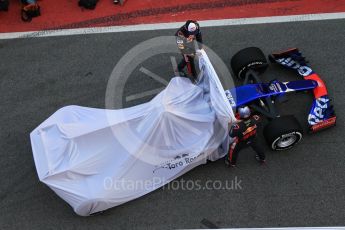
{"x": 282, "y": 132}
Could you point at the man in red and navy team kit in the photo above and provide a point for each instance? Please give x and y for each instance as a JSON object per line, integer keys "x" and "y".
{"x": 190, "y": 33}
{"x": 244, "y": 134}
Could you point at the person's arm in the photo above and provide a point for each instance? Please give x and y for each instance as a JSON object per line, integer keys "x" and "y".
{"x": 235, "y": 131}
{"x": 198, "y": 38}
{"x": 256, "y": 119}
{"x": 178, "y": 32}
{"x": 181, "y": 32}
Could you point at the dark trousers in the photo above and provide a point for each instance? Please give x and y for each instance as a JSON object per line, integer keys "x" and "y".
{"x": 237, "y": 145}
{"x": 4, "y": 5}
{"x": 188, "y": 61}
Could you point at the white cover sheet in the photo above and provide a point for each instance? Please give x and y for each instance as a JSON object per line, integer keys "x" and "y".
{"x": 96, "y": 159}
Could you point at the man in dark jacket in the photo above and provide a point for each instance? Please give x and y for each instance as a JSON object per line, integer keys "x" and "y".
{"x": 244, "y": 134}
{"x": 4, "y": 4}
{"x": 30, "y": 9}
{"x": 187, "y": 36}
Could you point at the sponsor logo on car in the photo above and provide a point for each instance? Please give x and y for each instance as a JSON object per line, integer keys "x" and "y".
{"x": 317, "y": 114}
{"x": 289, "y": 62}
{"x": 324, "y": 124}
{"x": 178, "y": 161}
{"x": 230, "y": 98}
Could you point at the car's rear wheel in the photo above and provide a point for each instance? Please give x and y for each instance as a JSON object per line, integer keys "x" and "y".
{"x": 246, "y": 59}
{"x": 283, "y": 133}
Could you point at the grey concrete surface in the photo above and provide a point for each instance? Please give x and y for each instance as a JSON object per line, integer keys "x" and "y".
{"x": 304, "y": 186}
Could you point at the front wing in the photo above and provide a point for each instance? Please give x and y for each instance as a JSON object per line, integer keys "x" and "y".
{"x": 321, "y": 114}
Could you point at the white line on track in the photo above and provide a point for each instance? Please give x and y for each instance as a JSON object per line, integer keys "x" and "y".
{"x": 174, "y": 25}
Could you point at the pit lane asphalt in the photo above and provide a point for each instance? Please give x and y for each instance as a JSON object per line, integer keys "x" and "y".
{"x": 304, "y": 186}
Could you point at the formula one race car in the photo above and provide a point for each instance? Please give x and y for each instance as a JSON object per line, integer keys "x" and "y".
{"x": 282, "y": 132}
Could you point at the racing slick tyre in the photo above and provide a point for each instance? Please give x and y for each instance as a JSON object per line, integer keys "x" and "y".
{"x": 246, "y": 59}
{"x": 283, "y": 132}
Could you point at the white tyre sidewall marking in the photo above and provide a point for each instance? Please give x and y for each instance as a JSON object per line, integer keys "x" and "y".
{"x": 297, "y": 133}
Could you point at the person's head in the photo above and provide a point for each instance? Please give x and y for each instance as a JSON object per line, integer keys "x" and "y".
{"x": 244, "y": 112}
{"x": 191, "y": 27}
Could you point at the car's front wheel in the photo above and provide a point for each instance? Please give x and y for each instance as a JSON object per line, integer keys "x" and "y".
{"x": 283, "y": 133}
{"x": 246, "y": 59}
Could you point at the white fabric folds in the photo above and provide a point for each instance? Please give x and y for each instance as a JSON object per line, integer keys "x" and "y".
{"x": 96, "y": 159}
